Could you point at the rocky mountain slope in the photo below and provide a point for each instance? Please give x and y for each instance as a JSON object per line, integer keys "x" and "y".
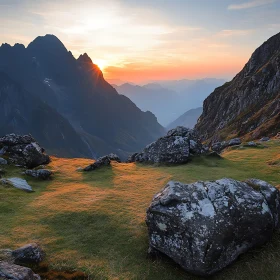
{"x": 76, "y": 90}
{"x": 188, "y": 119}
{"x": 249, "y": 105}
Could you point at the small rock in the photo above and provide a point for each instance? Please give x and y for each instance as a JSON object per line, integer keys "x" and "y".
{"x": 28, "y": 254}
{"x": 17, "y": 183}
{"x": 102, "y": 161}
{"x": 251, "y": 144}
{"x": 16, "y": 272}
{"x": 43, "y": 174}
{"x": 114, "y": 157}
{"x": 265, "y": 139}
{"x": 3, "y": 161}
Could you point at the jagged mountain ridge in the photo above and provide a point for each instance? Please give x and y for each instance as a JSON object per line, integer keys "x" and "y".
{"x": 249, "y": 105}
{"x": 76, "y": 89}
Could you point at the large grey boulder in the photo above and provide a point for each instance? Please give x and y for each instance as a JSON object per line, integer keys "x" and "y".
{"x": 43, "y": 174}
{"x": 28, "y": 254}
{"x": 23, "y": 150}
{"x": 17, "y": 183}
{"x": 176, "y": 147}
{"x": 16, "y": 272}
{"x": 205, "y": 226}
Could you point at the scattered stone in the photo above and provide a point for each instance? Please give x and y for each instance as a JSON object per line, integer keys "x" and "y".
{"x": 251, "y": 144}
{"x": 23, "y": 150}
{"x": 3, "y": 161}
{"x": 265, "y": 139}
{"x": 219, "y": 146}
{"x": 114, "y": 157}
{"x": 28, "y": 254}
{"x": 132, "y": 157}
{"x": 16, "y": 272}
{"x": 205, "y": 226}
{"x": 17, "y": 183}
{"x": 176, "y": 147}
{"x": 102, "y": 161}
{"x": 43, "y": 174}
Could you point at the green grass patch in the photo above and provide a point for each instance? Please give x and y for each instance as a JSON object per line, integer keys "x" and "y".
{"x": 95, "y": 222}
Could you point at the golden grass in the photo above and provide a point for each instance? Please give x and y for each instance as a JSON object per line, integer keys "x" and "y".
{"x": 95, "y": 221}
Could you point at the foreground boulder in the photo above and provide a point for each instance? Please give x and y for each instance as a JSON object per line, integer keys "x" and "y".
{"x": 176, "y": 147}
{"x": 16, "y": 272}
{"x": 23, "y": 150}
{"x": 205, "y": 226}
{"x": 43, "y": 174}
{"x": 17, "y": 183}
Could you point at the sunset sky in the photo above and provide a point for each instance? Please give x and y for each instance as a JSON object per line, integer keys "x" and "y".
{"x": 140, "y": 41}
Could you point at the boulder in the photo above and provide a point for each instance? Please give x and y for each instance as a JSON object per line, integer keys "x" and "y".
{"x": 17, "y": 183}
{"x": 43, "y": 174}
{"x": 28, "y": 254}
{"x": 3, "y": 161}
{"x": 265, "y": 139}
{"x": 16, "y": 272}
{"x": 176, "y": 147}
{"x": 219, "y": 146}
{"x": 23, "y": 150}
{"x": 251, "y": 144}
{"x": 205, "y": 226}
{"x": 102, "y": 161}
{"x": 132, "y": 157}
{"x": 114, "y": 157}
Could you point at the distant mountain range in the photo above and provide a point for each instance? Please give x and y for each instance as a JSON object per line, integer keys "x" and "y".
{"x": 188, "y": 119}
{"x": 66, "y": 103}
{"x": 249, "y": 105}
{"x": 169, "y": 99}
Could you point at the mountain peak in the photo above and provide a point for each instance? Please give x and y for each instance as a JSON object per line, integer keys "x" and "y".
{"x": 49, "y": 41}
{"x": 84, "y": 58}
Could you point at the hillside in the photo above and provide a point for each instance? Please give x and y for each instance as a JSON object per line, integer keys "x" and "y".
{"x": 249, "y": 105}
{"x": 95, "y": 222}
{"x": 75, "y": 88}
{"x": 188, "y": 119}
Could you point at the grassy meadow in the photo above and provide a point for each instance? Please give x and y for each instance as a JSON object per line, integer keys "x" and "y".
{"x": 95, "y": 222}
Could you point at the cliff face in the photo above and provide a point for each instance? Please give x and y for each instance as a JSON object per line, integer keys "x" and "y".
{"x": 248, "y": 105}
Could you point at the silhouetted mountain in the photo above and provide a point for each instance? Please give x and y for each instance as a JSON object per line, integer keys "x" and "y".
{"x": 169, "y": 99}
{"x": 188, "y": 119}
{"x": 249, "y": 105}
{"x": 76, "y": 89}
{"x": 23, "y": 113}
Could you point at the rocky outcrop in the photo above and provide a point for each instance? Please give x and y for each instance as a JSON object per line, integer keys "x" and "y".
{"x": 114, "y": 157}
{"x": 176, "y": 147}
{"x": 249, "y": 105}
{"x": 205, "y": 226}
{"x": 43, "y": 174}
{"x": 23, "y": 150}
{"x": 102, "y": 161}
{"x": 17, "y": 183}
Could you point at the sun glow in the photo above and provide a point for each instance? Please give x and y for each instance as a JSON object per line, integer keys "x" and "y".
{"x": 101, "y": 63}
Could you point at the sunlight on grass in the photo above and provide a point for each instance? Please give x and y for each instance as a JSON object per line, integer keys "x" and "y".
{"x": 95, "y": 221}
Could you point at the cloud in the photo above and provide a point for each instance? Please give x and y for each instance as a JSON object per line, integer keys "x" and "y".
{"x": 251, "y": 4}
{"x": 234, "y": 32}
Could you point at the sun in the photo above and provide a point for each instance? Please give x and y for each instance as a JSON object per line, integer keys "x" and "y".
{"x": 101, "y": 63}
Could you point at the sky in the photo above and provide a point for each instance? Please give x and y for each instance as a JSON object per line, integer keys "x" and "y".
{"x": 141, "y": 41}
